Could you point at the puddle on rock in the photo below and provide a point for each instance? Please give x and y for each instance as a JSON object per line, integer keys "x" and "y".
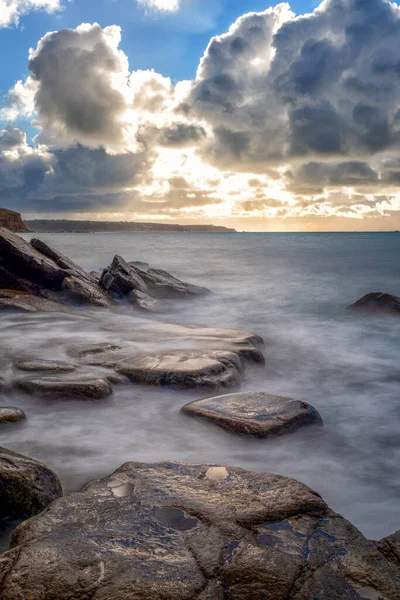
{"x": 176, "y": 518}
{"x": 216, "y": 473}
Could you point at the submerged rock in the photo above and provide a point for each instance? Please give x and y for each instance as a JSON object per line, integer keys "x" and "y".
{"x": 87, "y": 350}
{"x": 377, "y": 302}
{"x": 26, "y": 487}
{"x": 184, "y": 370}
{"x": 173, "y": 531}
{"x": 10, "y": 414}
{"x": 85, "y": 292}
{"x": 44, "y": 365}
{"x": 255, "y": 413}
{"x": 88, "y": 389}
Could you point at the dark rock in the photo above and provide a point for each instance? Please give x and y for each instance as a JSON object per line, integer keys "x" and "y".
{"x": 61, "y": 260}
{"x": 9, "y": 414}
{"x": 255, "y": 413}
{"x": 26, "y": 487}
{"x": 44, "y": 365}
{"x": 85, "y": 292}
{"x": 9, "y": 281}
{"x": 163, "y": 285}
{"x": 92, "y": 389}
{"x": 121, "y": 278}
{"x": 377, "y": 302}
{"x": 28, "y": 262}
{"x": 173, "y": 531}
{"x": 14, "y": 300}
{"x": 184, "y": 370}
{"x": 144, "y": 301}
{"x": 390, "y": 547}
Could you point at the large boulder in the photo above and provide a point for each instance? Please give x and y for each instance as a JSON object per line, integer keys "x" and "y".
{"x": 19, "y": 258}
{"x": 174, "y": 531}
{"x": 61, "y": 260}
{"x": 26, "y": 486}
{"x": 121, "y": 278}
{"x": 87, "y": 389}
{"x": 184, "y": 369}
{"x": 164, "y": 285}
{"x": 255, "y": 413}
{"x": 84, "y": 291}
{"x": 377, "y": 302}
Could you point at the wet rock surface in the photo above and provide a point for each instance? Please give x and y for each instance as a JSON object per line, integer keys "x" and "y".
{"x": 377, "y": 302}
{"x": 88, "y": 389}
{"x": 13, "y": 300}
{"x": 10, "y": 414}
{"x": 184, "y": 370}
{"x": 61, "y": 260}
{"x": 256, "y": 414}
{"x": 26, "y": 486}
{"x": 174, "y": 531}
{"x": 121, "y": 278}
{"x": 85, "y": 292}
{"x": 144, "y": 301}
{"x": 164, "y": 285}
{"x": 44, "y": 365}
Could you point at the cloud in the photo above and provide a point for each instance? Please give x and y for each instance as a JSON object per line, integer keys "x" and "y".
{"x": 12, "y": 10}
{"x": 161, "y": 5}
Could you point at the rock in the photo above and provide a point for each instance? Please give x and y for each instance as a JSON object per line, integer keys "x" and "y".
{"x": 26, "y": 487}
{"x": 163, "y": 285}
{"x": 92, "y": 389}
{"x": 377, "y": 302}
{"x": 28, "y": 263}
{"x": 390, "y": 547}
{"x": 143, "y": 266}
{"x": 14, "y": 300}
{"x": 9, "y": 414}
{"x": 85, "y": 292}
{"x": 8, "y": 281}
{"x": 255, "y": 413}
{"x": 85, "y": 350}
{"x": 173, "y": 531}
{"x": 144, "y": 301}
{"x": 61, "y": 260}
{"x": 184, "y": 370}
{"x": 12, "y": 220}
{"x": 95, "y": 275}
{"x": 121, "y": 278}
{"x": 44, "y": 365}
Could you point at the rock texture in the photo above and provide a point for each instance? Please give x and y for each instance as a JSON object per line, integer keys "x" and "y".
{"x": 255, "y": 413}
{"x": 10, "y": 414}
{"x": 14, "y": 300}
{"x": 26, "y": 487}
{"x": 88, "y": 389}
{"x": 377, "y": 302}
{"x": 184, "y": 370}
{"x": 121, "y": 278}
{"x": 173, "y": 531}
{"x": 44, "y": 365}
{"x": 12, "y": 220}
{"x": 163, "y": 285}
{"x": 85, "y": 292}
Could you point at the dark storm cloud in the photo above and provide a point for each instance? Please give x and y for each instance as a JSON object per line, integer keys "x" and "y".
{"x": 180, "y": 135}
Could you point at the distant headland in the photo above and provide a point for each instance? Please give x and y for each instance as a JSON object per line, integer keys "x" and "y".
{"x": 12, "y": 220}
{"x": 67, "y": 226}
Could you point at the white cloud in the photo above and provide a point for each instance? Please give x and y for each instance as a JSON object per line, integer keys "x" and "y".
{"x": 12, "y": 10}
{"x": 161, "y": 5}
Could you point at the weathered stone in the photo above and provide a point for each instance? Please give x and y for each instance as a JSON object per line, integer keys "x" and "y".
{"x": 164, "y": 285}
{"x": 87, "y": 350}
{"x": 121, "y": 278}
{"x": 91, "y": 389}
{"x": 390, "y": 547}
{"x": 85, "y": 292}
{"x": 255, "y": 413}
{"x": 95, "y": 275}
{"x": 44, "y": 365}
{"x": 10, "y": 414}
{"x": 144, "y": 301}
{"x": 28, "y": 262}
{"x": 28, "y": 303}
{"x": 173, "y": 531}
{"x": 377, "y": 302}
{"x": 61, "y": 260}
{"x": 26, "y": 487}
{"x": 184, "y": 370}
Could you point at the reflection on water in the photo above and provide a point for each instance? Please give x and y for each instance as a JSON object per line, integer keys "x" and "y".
{"x": 292, "y": 290}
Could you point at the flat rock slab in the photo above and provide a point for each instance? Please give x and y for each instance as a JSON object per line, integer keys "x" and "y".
{"x": 255, "y": 413}
{"x": 89, "y": 389}
{"x": 172, "y": 531}
{"x": 164, "y": 285}
{"x": 184, "y": 370}
{"x": 44, "y": 365}
{"x": 10, "y": 414}
{"x": 377, "y": 302}
{"x": 26, "y": 486}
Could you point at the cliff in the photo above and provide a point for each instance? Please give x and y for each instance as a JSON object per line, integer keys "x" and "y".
{"x": 12, "y": 220}
{"x": 66, "y": 226}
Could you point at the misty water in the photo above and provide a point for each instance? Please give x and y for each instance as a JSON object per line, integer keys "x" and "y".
{"x": 292, "y": 289}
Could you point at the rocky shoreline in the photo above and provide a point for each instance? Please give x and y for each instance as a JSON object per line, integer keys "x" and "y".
{"x": 167, "y": 530}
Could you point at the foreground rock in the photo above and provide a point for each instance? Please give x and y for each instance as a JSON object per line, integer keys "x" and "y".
{"x": 26, "y": 486}
{"x": 184, "y": 370}
{"x": 61, "y": 260}
{"x": 10, "y": 414}
{"x": 377, "y": 302}
{"x": 172, "y": 531}
{"x": 23, "y": 302}
{"x": 44, "y": 365}
{"x": 89, "y": 389}
{"x": 255, "y": 413}
{"x": 85, "y": 292}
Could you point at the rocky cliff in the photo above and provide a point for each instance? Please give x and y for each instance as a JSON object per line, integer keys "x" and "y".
{"x": 11, "y": 220}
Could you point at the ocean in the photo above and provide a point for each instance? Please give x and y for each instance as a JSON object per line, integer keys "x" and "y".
{"x": 293, "y": 290}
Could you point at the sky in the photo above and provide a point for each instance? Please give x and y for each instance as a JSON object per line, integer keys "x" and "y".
{"x": 282, "y": 117}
